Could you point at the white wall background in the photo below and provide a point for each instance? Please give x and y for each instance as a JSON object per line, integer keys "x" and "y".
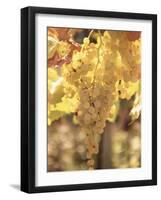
{"x": 10, "y": 99}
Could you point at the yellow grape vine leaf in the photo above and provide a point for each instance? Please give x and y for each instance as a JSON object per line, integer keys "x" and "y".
{"x": 132, "y": 88}
{"x": 55, "y": 87}
{"x": 114, "y": 111}
{"x": 136, "y": 109}
{"x": 128, "y": 89}
{"x": 52, "y": 44}
{"x": 52, "y": 74}
{"x": 66, "y": 106}
{"x": 54, "y": 115}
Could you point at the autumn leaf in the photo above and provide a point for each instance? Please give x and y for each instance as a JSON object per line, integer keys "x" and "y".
{"x": 133, "y": 35}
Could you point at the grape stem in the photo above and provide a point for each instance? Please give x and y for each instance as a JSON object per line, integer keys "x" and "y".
{"x": 88, "y": 38}
{"x": 95, "y": 70}
{"x": 98, "y": 60}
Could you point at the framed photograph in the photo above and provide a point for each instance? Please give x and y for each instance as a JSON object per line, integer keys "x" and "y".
{"x": 88, "y": 99}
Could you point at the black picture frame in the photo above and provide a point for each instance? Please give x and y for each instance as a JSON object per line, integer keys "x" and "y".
{"x": 28, "y": 98}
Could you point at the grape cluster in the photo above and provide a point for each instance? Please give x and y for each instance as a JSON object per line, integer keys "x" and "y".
{"x": 99, "y": 75}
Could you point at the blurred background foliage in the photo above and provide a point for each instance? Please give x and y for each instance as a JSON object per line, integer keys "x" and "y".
{"x": 120, "y": 144}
